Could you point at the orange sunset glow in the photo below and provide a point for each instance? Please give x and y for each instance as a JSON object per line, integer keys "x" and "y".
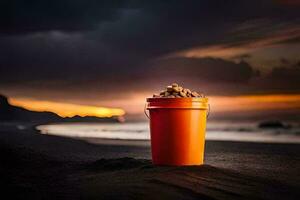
{"x": 66, "y": 109}
{"x": 255, "y": 102}
{"x": 135, "y": 105}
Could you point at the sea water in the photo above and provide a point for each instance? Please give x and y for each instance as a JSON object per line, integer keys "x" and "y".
{"x": 219, "y": 131}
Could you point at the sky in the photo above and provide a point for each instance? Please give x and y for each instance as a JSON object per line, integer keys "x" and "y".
{"x": 241, "y": 54}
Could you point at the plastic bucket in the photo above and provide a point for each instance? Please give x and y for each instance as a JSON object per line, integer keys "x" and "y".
{"x": 177, "y": 127}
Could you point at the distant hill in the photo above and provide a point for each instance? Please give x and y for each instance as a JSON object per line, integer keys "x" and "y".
{"x": 9, "y": 112}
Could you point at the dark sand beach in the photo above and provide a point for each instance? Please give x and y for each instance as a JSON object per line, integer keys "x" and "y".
{"x": 35, "y": 166}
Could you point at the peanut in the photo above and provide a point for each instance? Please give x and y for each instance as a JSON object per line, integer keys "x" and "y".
{"x": 169, "y": 88}
{"x": 182, "y": 94}
{"x": 174, "y": 85}
{"x": 176, "y": 91}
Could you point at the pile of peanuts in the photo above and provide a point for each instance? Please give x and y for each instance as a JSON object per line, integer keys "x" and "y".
{"x": 176, "y": 91}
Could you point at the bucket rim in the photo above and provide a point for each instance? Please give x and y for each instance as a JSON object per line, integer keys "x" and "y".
{"x": 179, "y": 100}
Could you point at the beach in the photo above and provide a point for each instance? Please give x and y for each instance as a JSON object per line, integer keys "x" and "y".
{"x": 36, "y": 166}
{"x": 94, "y": 95}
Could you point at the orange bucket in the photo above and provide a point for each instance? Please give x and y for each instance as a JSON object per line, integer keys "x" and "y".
{"x": 177, "y": 127}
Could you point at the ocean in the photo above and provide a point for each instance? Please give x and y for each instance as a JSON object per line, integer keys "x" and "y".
{"x": 218, "y": 131}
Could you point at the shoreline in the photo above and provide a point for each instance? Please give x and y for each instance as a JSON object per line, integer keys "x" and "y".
{"x": 125, "y": 133}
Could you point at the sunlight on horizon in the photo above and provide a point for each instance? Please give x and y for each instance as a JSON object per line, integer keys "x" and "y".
{"x": 66, "y": 109}
{"x": 255, "y": 102}
{"x": 135, "y": 105}
{"x": 243, "y": 103}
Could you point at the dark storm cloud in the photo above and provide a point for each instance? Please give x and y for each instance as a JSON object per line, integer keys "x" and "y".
{"x": 102, "y": 42}
{"x": 160, "y": 27}
{"x": 284, "y": 77}
{"x": 209, "y": 70}
{"x": 19, "y": 17}
{"x": 54, "y": 56}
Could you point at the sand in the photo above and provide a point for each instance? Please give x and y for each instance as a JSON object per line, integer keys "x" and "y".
{"x": 35, "y": 166}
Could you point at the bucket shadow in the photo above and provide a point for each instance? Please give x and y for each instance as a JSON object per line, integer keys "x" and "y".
{"x": 138, "y": 178}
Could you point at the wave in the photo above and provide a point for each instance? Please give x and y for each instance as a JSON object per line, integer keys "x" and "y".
{"x": 248, "y": 132}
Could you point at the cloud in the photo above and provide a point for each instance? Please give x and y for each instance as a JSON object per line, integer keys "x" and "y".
{"x": 96, "y": 45}
{"x": 213, "y": 76}
{"x": 239, "y": 48}
{"x": 282, "y": 78}
{"x": 208, "y": 69}
{"x": 23, "y": 17}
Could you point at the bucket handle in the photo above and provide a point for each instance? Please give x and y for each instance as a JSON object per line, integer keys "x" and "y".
{"x": 145, "y": 111}
{"x": 208, "y": 112}
{"x": 147, "y": 115}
